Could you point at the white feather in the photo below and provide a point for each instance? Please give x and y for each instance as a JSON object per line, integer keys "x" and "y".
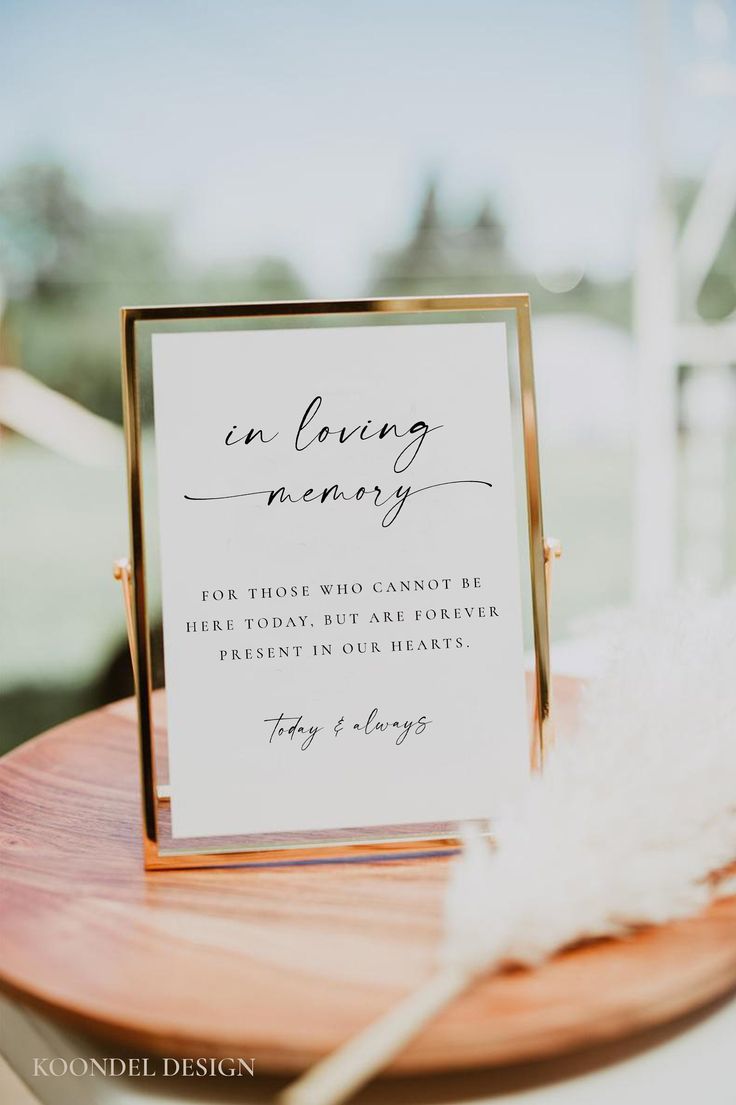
{"x": 632, "y": 814}
{"x": 631, "y": 818}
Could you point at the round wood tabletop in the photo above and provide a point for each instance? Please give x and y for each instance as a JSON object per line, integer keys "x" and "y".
{"x": 283, "y": 963}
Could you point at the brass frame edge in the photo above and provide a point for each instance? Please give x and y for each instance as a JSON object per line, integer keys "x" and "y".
{"x": 140, "y": 635}
{"x": 537, "y": 557}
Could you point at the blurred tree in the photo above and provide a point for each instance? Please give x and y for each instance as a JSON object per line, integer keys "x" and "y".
{"x": 44, "y": 224}
{"x": 68, "y": 267}
{"x": 241, "y": 281}
{"x": 440, "y": 255}
{"x": 717, "y": 298}
{"x": 443, "y": 256}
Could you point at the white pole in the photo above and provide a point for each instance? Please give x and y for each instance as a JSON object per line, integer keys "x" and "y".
{"x": 655, "y": 512}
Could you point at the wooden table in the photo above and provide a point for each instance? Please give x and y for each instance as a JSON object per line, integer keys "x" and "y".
{"x": 282, "y": 963}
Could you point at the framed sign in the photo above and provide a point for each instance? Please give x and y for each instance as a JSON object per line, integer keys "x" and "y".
{"x": 342, "y": 524}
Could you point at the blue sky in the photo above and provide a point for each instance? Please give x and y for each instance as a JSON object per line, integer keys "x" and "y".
{"x": 306, "y": 127}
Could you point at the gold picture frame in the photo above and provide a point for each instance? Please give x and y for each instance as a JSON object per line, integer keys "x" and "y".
{"x": 132, "y": 573}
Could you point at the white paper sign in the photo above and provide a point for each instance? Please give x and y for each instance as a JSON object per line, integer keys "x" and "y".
{"x": 340, "y": 574}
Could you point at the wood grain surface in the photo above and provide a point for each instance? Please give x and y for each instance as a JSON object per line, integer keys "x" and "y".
{"x": 282, "y": 964}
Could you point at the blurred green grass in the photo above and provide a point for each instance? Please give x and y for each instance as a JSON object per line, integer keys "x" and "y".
{"x": 64, "y": 525}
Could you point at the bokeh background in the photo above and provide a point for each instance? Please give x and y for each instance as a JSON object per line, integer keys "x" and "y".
{"x": 181, "y": 151}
